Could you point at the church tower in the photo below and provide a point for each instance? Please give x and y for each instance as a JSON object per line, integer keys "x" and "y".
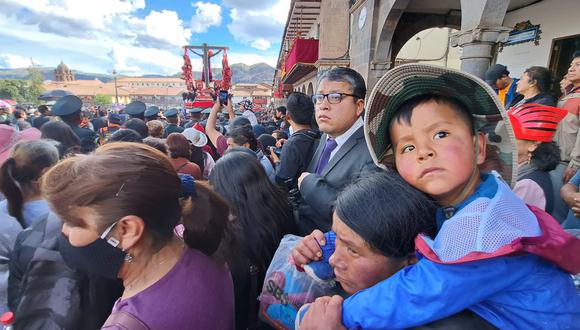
{"x": 63, "y": 73}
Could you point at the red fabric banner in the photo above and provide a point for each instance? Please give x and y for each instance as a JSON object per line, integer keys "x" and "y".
{"x": 303, "y": 51}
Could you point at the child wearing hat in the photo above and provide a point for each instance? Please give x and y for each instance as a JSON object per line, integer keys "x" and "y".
{"x": 505, "y": 261}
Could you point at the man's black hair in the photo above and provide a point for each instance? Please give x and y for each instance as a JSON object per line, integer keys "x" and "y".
{"x": 240, "y": 122}
{"x": 42, "y": 108}
{"x": 576, "y": 54}
{"x": 242, "y": 135}
{"x": 125, "y": 135}
{"x": 300, "y": 108}
{"x": 138, "y": 126}
{"x": 349, "y": 76}
{"x": 281, "y": 109}
{"x": 405, "y": 111}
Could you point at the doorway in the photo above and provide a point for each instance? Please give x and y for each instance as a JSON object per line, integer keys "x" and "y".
{"x": 560, "y": 57}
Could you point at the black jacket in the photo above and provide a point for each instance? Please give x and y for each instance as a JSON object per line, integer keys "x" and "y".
{"x": 296, "y": 154}
{"x": 44, "y": 293}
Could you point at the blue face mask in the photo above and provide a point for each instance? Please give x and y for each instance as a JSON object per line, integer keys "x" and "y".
{"x": 101, "y": 257}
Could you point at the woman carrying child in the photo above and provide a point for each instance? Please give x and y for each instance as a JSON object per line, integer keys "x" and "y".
{"x": 508, "y": 263}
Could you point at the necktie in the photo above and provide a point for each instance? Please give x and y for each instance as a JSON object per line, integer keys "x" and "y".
{"x": 328, "y": 148}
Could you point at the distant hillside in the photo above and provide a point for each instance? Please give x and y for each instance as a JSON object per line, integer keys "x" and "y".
{"x": 241, "y": 73}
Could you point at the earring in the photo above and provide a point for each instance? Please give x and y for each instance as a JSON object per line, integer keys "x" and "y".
{"x": 128, "y": 258}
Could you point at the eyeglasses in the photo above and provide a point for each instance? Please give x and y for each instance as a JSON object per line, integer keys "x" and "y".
{"x": 333, "y": 98}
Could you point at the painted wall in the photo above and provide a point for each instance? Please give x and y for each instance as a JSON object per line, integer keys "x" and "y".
{"x": 430, "y": 46}
{"x": 557, "y": 18}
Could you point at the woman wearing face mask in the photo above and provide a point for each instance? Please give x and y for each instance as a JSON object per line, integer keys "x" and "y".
{"x": 119, "y": 207}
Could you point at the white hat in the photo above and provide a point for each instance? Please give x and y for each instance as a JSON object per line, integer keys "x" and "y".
{"x": 196, "y": 137}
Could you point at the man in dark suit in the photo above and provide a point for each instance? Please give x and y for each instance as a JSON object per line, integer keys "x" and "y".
{"x": 342, "y": 154}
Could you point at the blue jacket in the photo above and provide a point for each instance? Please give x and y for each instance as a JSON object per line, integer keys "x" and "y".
{"x": 511, "y": 292}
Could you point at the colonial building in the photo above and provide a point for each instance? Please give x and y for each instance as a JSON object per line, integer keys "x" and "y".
{"x": 63, "y": 73}
{"x": 260, "y": 94}
{"x": 164, "y": 92}
{"x": 372, "y": 36}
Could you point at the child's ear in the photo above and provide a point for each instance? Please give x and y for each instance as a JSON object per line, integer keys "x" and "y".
{"x": 480, "y": 147}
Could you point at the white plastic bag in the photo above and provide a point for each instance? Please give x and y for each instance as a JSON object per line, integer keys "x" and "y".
{"x": 286, "y": 289}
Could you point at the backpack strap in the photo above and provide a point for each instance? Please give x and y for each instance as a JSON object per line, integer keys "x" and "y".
{"x": 180, "y": 167}
{"x": 124, "y": 320}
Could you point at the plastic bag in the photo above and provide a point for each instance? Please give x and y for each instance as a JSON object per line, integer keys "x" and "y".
{"x": 286, "y": 289}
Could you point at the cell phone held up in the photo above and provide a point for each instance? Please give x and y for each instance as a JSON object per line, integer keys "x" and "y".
{"x": 223, "y": 96}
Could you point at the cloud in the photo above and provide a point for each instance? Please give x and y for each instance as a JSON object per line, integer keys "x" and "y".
{"x": 250, "y": 5}
{"x": 159, "y": 30}
{"x": 258, "y": 28}
{"x": 104, "y": 34}
{"x": 261, "y": 44}
{"x": 12, "y": 61}
{"x": 207, "y": 14}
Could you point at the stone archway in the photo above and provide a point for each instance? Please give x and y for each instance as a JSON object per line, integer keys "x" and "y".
{"x": 310, "y": 90}
{"x": 303, "y": 89}
{"x": 397, "y": 28}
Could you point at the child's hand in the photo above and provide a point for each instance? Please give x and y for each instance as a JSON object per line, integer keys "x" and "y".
{"x": 308, "y": 249}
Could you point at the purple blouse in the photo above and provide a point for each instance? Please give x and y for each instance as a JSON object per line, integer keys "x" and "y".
{"x": 196, "y": 294}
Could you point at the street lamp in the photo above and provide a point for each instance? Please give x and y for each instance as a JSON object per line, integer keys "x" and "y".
{"x": 116, "y": 94}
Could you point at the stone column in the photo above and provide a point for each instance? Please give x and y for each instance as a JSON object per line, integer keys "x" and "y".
{"x": 477, "y": 45}
{"x": 481, "y": 28}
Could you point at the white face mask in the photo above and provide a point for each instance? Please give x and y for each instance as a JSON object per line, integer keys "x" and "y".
{"x": 291, "y": 130}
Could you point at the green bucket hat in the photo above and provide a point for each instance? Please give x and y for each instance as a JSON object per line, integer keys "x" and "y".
{"x": 411, "y": 80}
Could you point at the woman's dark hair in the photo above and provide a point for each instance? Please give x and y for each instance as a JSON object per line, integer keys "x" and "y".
{"x": 125, "y": 135}
{"x": 123, "y": 178}
{"x": 262, "y": 211}
{"x": 138, "y": 125}
{"x": 63, "y": 133}
{"x": 178, "y": 146}
{"x": 197, "y": 156}
{"x": 243, "y": 135}
{"x": 546, "y": 156}
{"x": 301, "y": 108}
{"x": 387, "y": 213}
{"x": 156, "y": 143}
{"x": 20, "y": 173}
{"x": 405, "y": 111}
{"x": 541, "y": 76}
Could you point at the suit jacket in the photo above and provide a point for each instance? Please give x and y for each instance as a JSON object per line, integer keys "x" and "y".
{"x": 319, "y": 192}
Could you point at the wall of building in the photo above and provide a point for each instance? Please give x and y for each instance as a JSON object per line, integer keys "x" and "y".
{"x": 557, "y": 18}
{"x": 334, "y": 18}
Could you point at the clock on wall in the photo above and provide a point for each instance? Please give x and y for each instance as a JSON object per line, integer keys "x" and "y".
{"x": 362, "y": 17}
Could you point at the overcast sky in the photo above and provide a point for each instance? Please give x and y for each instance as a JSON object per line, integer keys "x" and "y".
{"x": 137, "y": 37}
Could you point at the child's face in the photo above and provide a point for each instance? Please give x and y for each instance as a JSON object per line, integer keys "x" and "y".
{"x": 436, "y": 153}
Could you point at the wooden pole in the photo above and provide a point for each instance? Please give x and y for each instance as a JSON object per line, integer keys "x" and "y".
{"x": 205, "y": 57}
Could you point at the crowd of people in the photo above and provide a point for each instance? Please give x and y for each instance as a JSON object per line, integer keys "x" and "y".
{"x": 437, "y": 200}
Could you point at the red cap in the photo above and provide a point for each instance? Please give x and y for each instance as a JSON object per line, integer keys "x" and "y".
{"x": 7, "y": 318}
{"x": 535, "y": 122}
